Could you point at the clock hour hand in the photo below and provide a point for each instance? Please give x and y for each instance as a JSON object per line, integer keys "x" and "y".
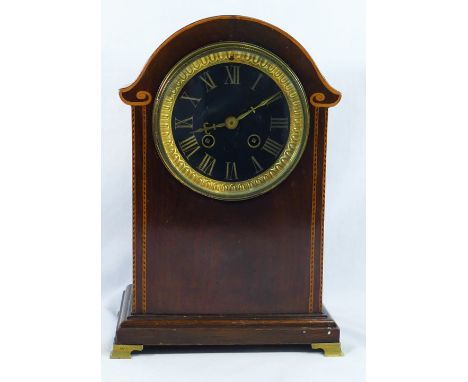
{"x": 209, "y": 126}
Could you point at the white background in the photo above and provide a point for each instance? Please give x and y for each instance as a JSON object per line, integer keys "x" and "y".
{"x": 333, "y": 33}
{"x": 50, "y": 119}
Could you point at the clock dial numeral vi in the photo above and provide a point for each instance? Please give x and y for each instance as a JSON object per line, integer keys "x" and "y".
{"x": 231, "y": 171}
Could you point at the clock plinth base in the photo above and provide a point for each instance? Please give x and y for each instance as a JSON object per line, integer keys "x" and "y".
{"x": 318, "y": 329}
{"x": 332, "y": 349}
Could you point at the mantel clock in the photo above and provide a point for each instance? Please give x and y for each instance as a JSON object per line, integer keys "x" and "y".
{"x": 229, "y": 121}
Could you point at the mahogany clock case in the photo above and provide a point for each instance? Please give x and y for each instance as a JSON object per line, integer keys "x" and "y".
{"x": 214, "y": 272}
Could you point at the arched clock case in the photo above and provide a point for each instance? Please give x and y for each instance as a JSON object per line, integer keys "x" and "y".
{"x": 228, "y": 192}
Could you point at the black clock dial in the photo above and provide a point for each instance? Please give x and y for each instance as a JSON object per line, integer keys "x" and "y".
{"x": 231, "y": 122}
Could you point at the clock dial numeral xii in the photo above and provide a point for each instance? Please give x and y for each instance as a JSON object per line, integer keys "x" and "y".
{"x": 233, "y": 76}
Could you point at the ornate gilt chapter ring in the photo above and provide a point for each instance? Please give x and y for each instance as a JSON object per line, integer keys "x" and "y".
{"x": 190, "y": 66}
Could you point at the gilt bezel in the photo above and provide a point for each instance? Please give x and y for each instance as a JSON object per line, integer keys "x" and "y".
{"x": 194, "y": 63}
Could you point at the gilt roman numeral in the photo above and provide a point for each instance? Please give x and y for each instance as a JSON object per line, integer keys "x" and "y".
{"x": 186, "y": 123}
{"x": 279, "y": 123}
{"x": 260, "y": 75}
{"x": 207, "y": 164}
{"x": 193, "y": 100}
{"x": 189, "y": 146}
{"x": 209, "y": 83}
{"x": 272, "y": 147}
{"x": 231, "y": 171}
{"x": 232, "y": 75}
{"x": 257, "y": 166}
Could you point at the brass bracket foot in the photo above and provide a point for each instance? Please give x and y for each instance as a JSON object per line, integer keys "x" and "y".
{"x": 124, "y": 351}
{"x": 330, "y": 349}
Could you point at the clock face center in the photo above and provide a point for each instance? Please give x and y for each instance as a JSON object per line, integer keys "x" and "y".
{"x": 231, "y": 122}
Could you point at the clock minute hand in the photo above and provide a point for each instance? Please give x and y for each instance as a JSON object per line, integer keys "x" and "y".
{"x": 207, "y": 126}
{"x": 271, "y": 99}
{"x": 265, "y": 102}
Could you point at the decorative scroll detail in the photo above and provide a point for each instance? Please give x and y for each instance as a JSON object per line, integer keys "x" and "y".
{"x": 314, "y": 209}
{"x": 317, "y": 99}
{"x": 144, "y": 220}
{"x": 144, "y": 97}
